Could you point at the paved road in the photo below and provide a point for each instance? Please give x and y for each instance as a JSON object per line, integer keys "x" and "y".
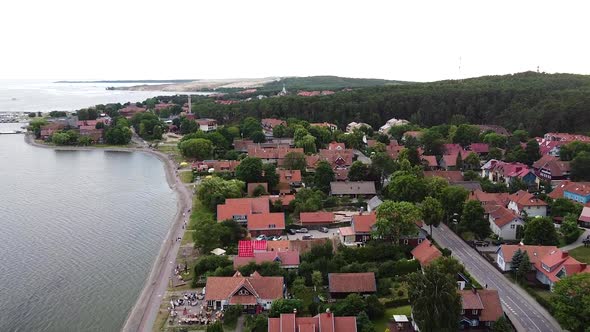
{"x": 578, "y": 242}
{"x": 362, "y": 158}
{"x": 522, "y": 309}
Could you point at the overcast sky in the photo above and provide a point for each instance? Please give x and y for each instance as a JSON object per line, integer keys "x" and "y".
{"x": 405, "y": 40}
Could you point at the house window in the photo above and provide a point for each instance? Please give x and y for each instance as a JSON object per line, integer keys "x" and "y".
{"x": 513, "y": 226}
{"x": 474, "y": 312}
{"x": 406, "y": 241}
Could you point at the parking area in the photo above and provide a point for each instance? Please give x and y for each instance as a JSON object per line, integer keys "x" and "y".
{"x": 332, "y": 232}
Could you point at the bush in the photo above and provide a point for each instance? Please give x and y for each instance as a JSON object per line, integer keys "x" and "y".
{"x": 396, "y": 303}
{"x": 232, "y": 313}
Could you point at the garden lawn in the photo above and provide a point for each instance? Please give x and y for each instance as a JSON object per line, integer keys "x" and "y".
{"x": 381, "y": 324}
{"x": 186, "y": 176}
{"x": 581, "y": 253}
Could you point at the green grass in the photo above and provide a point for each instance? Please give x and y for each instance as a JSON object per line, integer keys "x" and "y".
{"x": 186, "y": 177}
{"x": 581, "y": 253}
{"x": 381, "y": 324}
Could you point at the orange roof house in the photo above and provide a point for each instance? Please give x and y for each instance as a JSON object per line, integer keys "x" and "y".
{"x": 481, "y": 306}
{"x": 426, "y": 252}
{"x": 316, "y": 218}
{"x": 323, "y": 322}
{"x": 342, "y": 284}
{"x": 254, "y": 290}
{"x": 239, "y": 209}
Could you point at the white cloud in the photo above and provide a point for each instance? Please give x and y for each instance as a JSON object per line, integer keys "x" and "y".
{"x": 417, "y": 40}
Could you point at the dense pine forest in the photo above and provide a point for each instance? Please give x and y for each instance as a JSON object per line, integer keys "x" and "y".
{"x": 533, "y": 101}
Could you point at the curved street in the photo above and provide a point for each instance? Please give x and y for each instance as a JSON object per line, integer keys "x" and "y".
{"x": 521, "y": 308}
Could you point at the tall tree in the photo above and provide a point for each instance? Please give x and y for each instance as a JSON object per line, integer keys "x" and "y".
{"x": 540, "y": 231}
{"x": 396, "y": 219}
{"x": 516, "y": 259}
{"x": 323, "y": 176}
{"x": 270, "y": 175}
{"x": 250, "y": 170}
{"x": 432, "y": 212}
{"x": 436, "y": 304}
{"x": 197, "y": 148}
{"x": 453, "y": 198}
{"x": 358, "y": 171}
{"x": 472, "y": 220}
{"x": 580, "y": 167}
{"x": 571, "y": 302}
{"x": 317, "y": 279}
{"x": 472, "y": 161}
{"x": 502, "y": 325}
{"x": 524, "y": 267}
{"x": 294, "y": 160}
{"x": 532, "y": 151}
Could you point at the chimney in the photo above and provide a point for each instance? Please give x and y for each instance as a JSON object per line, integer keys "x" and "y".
{"x": 295, "y": 311}
{"x": 564, "y": 254}
{"x": 328, "y": 312}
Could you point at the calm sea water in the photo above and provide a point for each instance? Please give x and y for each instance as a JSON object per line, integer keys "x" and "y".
{"x": 79, "y": 231}
{"x": 45, "y": 96}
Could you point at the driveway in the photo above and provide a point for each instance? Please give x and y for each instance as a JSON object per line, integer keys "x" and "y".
{"x": 523, "y": 310}
{"x": 316, "y": 234}
{"x": 578, "y": 242}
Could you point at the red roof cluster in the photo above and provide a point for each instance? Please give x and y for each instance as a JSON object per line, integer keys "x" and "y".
{"x": 451, "y": 176}
{"x": 426, "y": 252}
{"x": 487, "y": 301}
{"x": 242, "y": 207}
{"x": 363, "y": 223}
{"x": 257, "y": 287}
{"x": 524, "y": 199}
{"x": 289, "y": 176}
{"x": 324, "y": 322}
{"x": 352, "y": 282}
{"x": 285, "y": 258}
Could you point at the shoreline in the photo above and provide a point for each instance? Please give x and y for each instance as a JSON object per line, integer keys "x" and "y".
{"x": 144, "y": 311}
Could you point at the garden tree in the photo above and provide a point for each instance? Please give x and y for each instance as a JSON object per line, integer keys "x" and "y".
{"x": 580, "y": 167}
{"x": 323, "y": 135}
{"x": 397, "y": 132}
{"x": 524, "y": 266}
{"x": 375, "y": 309}
{"x": 470, "y": 176}
{"x": 215, "y": 190}
{"x": 307, "y": 200}
{"x": 352, "y": 140}
{"x": 145, "y": 123}
{"x": 99, "y": 125}
{"x": 540, "y": 231}
{"x": 459, "y": 161}
{"x": 230, "y": 133}
{"x": 436, "y": 304}
{"x": 396, "y": 219}
{"x": 84, "y": 141}
{"x": 317, "y": 279}
{"x": 495, "y": 153}
{"x": 35, "y": 126}
{"x": 449, "y": 265}
{"x": 432, "y": 212}
{"x": 285, "y": 306}
{"x": 571, "y": 300}
{"x": 472, "y": 220}
{"x": 231, "y": 232}
{"x": 466, "y": 134}
{"x": 563, "y": 206}
{"x": 516, "y": 259}
{"x": 188, "y": 126}
{"x": 323, "y": 176}
{"x": 358, "y": 171}
{"x": 157, "y": 132}
{"x": 258, "y": 137}
{"x": 472, "y": 161}
{"x": 381, "y": 165}
{"x": 517, "y": 184}
{"x": 521, "y": 135}
{"x": 259, "y": 191}
{"x": 279, "y": 131}
{"x": 197, "y": 148}
{"x": 60, "y": 138}
{"x": 215, "y": 327}
{"x": 453, "y": 198}
{"x": 249, "y": 126}
{"x": 256, "y": 323}
{"x": 207, "y": 235}
{"x": 406, "y": 187}
{"x": 270, "y": 175}
{"x": 298, "y": 288}
{"x": 120, "y": 134}
{"x": 571, "y": 150}
{"x": 352, "y": 305}
{"x": 435, "y": 186}
{"x": 569, "y": 228}
{"x": 250, "y": 170}
{"x": 494, "y": 140}
{"x": 502, "y": 325}
{"x": 207, "y": 264}
{"x": 532, "y": 152}
{"x": 232, "y": 313}
{"x": 433, "y": 141}
{"x": 294, "y": 160}
{"x": 219, "y": 141}
{"x": 363, "y": 323}
{"x": 308, "y": 143}
{"x": 516, "y": 154}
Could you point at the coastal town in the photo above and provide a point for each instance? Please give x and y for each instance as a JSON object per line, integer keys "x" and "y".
{"x": 317, "y": 226}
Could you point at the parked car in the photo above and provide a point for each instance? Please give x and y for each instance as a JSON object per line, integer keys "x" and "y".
{"x": 261, "y": 237}
{"x": 307, "y": 237}
{"x": 302, "y": 230}
{"x": 291, "y": 231}
{"x": 324, "y": 230}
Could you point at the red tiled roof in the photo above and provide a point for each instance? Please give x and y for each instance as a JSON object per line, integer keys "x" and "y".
{"x": 585, "y": 215}
{"x": 558, "y": 260}
{"x": 502, "y": 216}
{"x": 352, "y": 282}
{"x": 271, "y": 123}
{"x": 489, "y": 198}
{"x": 451, "y": 176}
{"x": 242, "y": 206}
{"x": 578, "y": 188}
{"x": 426, "y": 252}
{"x": 289, "y": 176}
{"x": 535, "y": 253}
{"x": 479, "y": 147}
{"x": 223, "y": 288}
{"x": 524, "y": 199}
{"x": 316, "y": 217}
{"x": 346, "y": 231}
{"x": 430, "y": 160}
{"x": 336, "y": 146}
{"x": 266, "y": 221}
{"x": 324, "y": 322}
{"x": 363, "y": 223}
{"x": 543, "y": 160}
{"x": 486, "y": 300}
{"x": 394, "y": 150}
{"x": 558, "y": 190}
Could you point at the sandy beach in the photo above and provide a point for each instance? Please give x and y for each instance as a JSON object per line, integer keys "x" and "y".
{"x": 142, "y": 316}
